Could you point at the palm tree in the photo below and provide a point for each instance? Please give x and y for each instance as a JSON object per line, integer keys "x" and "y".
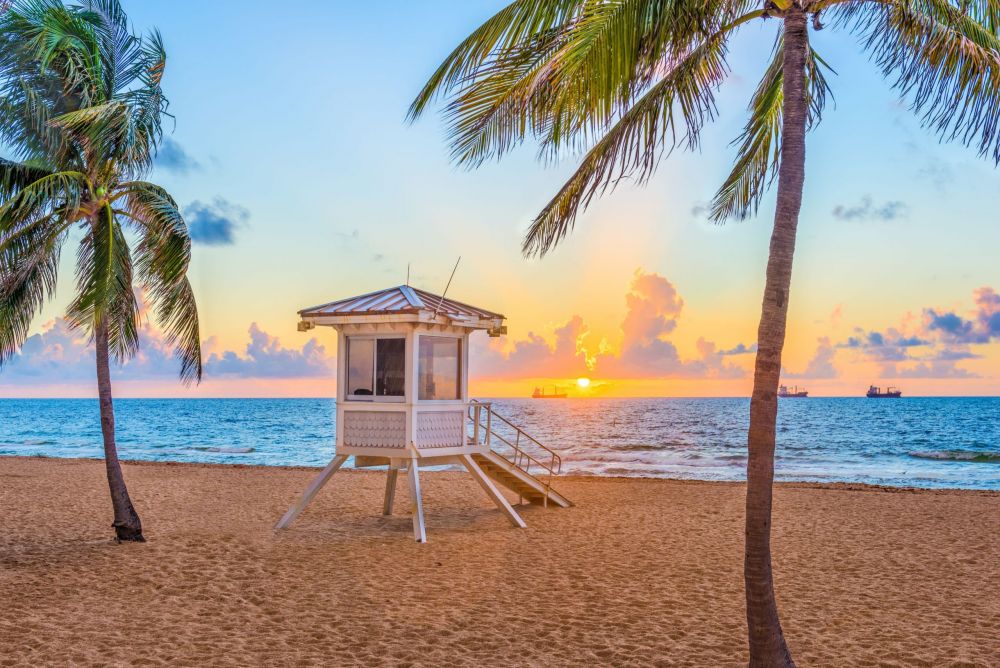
{"x": 630, "y": 80}
{"x": 80, "y": 109}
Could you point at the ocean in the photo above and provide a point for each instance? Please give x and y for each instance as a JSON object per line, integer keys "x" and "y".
{"x": 911, "y": 442}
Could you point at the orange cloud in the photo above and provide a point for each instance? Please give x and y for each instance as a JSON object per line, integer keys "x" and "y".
{"x": 653, "y": 310}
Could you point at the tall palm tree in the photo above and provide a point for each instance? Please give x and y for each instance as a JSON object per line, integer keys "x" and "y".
{"x": 80, "y": 110}
{"x": 630, "y": 80}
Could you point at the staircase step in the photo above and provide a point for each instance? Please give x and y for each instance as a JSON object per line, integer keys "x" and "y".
{"x": 511, "y": 476}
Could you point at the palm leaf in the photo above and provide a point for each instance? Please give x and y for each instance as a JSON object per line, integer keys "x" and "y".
{"x": 943, "y": 58}
{"x": 59, "y": 190}
{"x": 162, "y": 259}
{"x": 15, "y": 177}
{"x": 29, "y": 265}
{"x": 104, "y": 286}
{"x": 517, "y": 22}
{"x": 756, "y": 164}
{"x": 631, "y": 148}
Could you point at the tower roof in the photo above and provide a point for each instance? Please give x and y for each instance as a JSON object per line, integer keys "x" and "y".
{"x": 402, "y": 300}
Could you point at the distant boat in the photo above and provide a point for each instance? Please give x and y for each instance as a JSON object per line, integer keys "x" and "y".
{"x": 793, "y": 393}
{"x": 540, "y": 393}
{"x": 877, "y": 393}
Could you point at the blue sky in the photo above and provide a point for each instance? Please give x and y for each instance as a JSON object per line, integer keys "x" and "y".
{"x": 290, "y": 126}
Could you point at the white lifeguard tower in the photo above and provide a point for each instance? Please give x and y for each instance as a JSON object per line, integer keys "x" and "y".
{"x": 403, "y": 401}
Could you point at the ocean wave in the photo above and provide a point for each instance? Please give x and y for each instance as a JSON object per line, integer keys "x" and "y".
{"x": 228, "y": 451}
{"x": 637, "y": 447}
{"x": 958, "y": 455}
{"x": 37, "y": 441}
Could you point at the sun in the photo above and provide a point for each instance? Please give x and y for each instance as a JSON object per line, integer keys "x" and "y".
{"x": 583, "y": 383}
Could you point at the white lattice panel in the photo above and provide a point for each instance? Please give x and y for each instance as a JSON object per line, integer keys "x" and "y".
{"x": 440, "y": 429}
{"x": 375, "y": 429}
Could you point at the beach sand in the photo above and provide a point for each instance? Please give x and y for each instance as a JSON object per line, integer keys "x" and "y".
{"x": 639, "y": 572}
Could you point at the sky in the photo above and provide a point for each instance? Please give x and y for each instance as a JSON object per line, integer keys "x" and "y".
{"x": 302, "y": 182}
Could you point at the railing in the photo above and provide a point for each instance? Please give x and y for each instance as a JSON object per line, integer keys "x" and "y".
{"x": 521, "y": 458}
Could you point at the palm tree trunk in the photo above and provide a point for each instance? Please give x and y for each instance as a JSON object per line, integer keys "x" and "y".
{"x": 127, "y": 525}
{"x": 767, "y": 642}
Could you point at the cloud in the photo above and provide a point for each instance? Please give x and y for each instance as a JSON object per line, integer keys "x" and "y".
{"x": 988, "y": 311}
{"x": 821, "y": 364}
{"x": 56, "y": 353}
{"x": 982, "y": 325}
{"x": 653, "y": 309}
{"x": 933, "y": 370}
{"x": 215, "y": 224}
{"x": 931, "y": 345}
{"x": 534, "y": 357}
{"x": 172, "y": 157}
{"x": 836, "y": 316}
{"x": 888, "y": 346}
{"x": 59, "y": 355}
{"x": 938, "y": 173}
{"x": 868, "y": 210}
{"x": 347, "y": 237}
{"x": 740, "y": 349}
{"x": 265, "y": 357}
{"x": 954, "y": 354}
{"x": 701, "y": 209}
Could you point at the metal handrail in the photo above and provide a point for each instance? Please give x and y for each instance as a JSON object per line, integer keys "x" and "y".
{"x": 554, "y": 467}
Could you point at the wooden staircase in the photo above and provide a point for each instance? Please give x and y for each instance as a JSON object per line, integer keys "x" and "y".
{"x": 526, "y": 486}
{"x": 526, "y": 467}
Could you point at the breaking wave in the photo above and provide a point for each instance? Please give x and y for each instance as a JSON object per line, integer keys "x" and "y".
{"x": 231, "y": 451}
{"x": 958, "y": 456}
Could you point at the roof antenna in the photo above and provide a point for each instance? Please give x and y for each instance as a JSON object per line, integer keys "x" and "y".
{"x": 441, "y": 301}
{"x": 407, "y": 274}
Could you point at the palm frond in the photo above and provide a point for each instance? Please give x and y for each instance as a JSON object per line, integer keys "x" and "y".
{"x": 178, "y": 315}
{"x": 77, "y": 84}
{"x": 119, "y": 49}
{"x": 756, "y": 164}
{"x": 633, "y": 146}
{"x": 614, "y": 52}
{"x": 61, "y": 189}
{"x": 29, "y": 265}
{"x": 567, "y": 83}
{"x": 489, "y": 118}
{"x": 61, "y": 40}
{"x": 944, "y": 59}
{"x": 162, "y": 259}
{"x": 15, "y": 177}
{"x": 517, "y": 22}
{"x": 104, "y": 286}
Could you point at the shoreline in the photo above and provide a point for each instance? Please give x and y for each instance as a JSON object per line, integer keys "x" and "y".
{"x": 805, "y": 484}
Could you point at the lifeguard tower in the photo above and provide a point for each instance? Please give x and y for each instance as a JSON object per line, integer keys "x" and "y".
{"x": 403, "y": 401}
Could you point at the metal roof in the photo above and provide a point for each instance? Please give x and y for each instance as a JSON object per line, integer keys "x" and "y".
{"x": 401, "y": 299}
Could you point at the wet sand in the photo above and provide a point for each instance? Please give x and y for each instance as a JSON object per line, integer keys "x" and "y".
{"x": 639, "y": 572}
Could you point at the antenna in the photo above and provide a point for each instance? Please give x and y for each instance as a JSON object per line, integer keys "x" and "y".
{"x": 407, "y": 274}
{"x": 441, "y": 301}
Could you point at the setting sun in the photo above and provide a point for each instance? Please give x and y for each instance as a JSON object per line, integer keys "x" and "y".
{"x": 583, "y": 383}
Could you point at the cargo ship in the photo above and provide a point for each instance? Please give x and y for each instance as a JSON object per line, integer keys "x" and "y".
{"x": 877, "y": 393}
{"x": 792, "y": 393}
{"x": 540, "y": 393}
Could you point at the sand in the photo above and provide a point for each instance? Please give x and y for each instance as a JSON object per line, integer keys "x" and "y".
{"x": 639, "y": 572}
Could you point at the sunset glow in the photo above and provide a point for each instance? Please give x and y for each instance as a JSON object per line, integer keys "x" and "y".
{"x": 646, "y": 294}
{"x": 583, "y": 383}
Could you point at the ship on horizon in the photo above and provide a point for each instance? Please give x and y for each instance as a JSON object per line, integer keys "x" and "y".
{"x": 877, "y": 393}
{"x": 792, "y": 393}
{"x": 556, "y": 393}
